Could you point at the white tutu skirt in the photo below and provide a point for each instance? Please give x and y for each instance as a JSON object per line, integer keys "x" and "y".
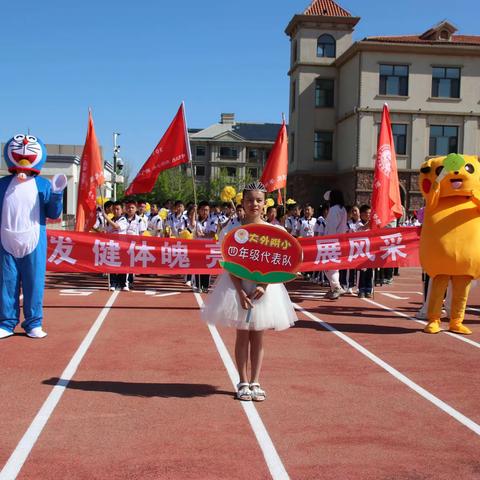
{"x": 273, "y": 310}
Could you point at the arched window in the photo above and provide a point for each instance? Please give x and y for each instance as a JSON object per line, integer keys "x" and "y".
{"x": 326, "y": 46}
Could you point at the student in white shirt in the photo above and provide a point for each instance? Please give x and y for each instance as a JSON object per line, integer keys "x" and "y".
{"x": 318, "y": 231}
{"x": 272, "y": 215}
{"x": 175, "y": 220}
{"x": 306, "y": 228}
{"x": 202, "y": 230}
{"x": 306, "y": 224}
{"x": 348, "y": 277}
{"x": 336, "y": 224}
{"x": 117, "y": 224}
{"x": 135, "y": 226}
{"x": 142, "y": 213}
{"x": 293, "y": 214}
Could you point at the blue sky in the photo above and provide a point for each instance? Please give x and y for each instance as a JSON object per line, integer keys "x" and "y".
{"x": 133, "y": 62}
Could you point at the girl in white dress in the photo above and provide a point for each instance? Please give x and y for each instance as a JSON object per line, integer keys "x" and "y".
{"x": 232, "y": 298}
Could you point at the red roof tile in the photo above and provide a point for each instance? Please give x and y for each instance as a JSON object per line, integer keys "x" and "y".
{"x": 327, "y": 8}
{"x": 455, "y": 39}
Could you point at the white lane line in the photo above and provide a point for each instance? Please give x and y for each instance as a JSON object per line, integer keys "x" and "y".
{"x": 464, "y": 420}
{"x": 274, "y": 463}
{"x": 461, "y": 338}
{"x": 395, "y": 297}
{"x": 24, "y": 447}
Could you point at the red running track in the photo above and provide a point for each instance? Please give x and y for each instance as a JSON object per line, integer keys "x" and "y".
{"x": 152, "y": 399}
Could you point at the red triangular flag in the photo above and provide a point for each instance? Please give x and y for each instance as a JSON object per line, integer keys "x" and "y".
{"x": 274, "y": 175}
{"x": 172, "y": 150}
{"x": 91, "y": 177}
{"x": 386, "y": 202}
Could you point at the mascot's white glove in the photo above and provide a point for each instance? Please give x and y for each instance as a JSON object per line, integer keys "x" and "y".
{"x": 59, "y": 182}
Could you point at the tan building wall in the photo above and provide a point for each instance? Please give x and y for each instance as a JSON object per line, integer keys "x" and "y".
{"x": 355, "y": 117}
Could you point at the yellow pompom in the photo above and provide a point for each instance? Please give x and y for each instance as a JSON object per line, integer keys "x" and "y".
{"x": 146, "y": 233}
{"x": 269, "y": 202}
{"x": 239, "y": 198}
{"x": 101, "y": 200}
{"x": 147, "y": 207}
{"x": 186, "y": 235}
{"x": 163, "y": 213}
{"x": 228, "y": 194}
{"x": 291, "y": 201}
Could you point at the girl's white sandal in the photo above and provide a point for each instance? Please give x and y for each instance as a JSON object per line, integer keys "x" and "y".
{"x": 244, "y": 392}
{"x": 258, "y": 395}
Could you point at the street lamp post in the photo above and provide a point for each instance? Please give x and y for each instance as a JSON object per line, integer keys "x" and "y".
{"x": 116, "y": 150}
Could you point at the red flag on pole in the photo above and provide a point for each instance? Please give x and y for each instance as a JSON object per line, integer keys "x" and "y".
{"x": 279, "y": 197}
{"x": 172, "y": 150}
{"x": 386, "y": 203}
{"x": 91, "y": 177}
{"x": 274, "y": 175}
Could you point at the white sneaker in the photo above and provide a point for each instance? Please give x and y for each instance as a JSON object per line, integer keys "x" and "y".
{"x": 112, "y": 289}
{"x": 5, "y": 333}
{"x": 126, "y": 289}
{"x": 188, "y": 283}
{"x": 36, "y": 332}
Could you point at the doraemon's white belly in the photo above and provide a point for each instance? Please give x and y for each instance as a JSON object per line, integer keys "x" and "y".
{"x": 20, "y": 229}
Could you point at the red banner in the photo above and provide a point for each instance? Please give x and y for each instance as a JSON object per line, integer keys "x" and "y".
{"x": 92, "y": 252}
{"x": 274, "y": 175}
{"x": 91, "y": 177}
{"x": 386, "y": 202}
{"x": 172, "y": 150}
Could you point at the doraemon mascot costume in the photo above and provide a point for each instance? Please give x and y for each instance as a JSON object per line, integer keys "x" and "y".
{"x": 26, "y": 201}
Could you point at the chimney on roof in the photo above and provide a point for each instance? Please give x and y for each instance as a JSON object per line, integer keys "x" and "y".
{"x": 227, "y": 118}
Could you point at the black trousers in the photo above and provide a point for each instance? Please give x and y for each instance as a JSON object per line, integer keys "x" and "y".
{"x": 202, "y": 281}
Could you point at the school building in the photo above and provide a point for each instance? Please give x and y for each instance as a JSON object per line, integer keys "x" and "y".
{"x": 337, "y": 91}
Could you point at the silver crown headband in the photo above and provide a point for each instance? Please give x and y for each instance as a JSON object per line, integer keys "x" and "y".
{"x": 255, "y": 186}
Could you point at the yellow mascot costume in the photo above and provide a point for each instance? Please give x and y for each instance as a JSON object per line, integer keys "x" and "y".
{"x": 450, "y": 233}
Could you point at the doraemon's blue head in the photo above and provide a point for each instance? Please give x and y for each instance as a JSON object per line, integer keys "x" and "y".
{"x": 25, "y": 153}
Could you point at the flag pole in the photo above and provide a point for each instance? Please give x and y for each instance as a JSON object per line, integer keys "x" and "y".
{"x": 187, "y": 141}
{"x": 285, "y": 188}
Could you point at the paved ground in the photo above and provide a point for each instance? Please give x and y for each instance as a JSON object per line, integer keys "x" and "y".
{"x": 133, "y": 385}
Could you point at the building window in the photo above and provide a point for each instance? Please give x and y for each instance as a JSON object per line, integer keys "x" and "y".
{"x": 253, "y": 173}
{"x": 231, "y": 171}
{"x": 200, "y": 151}
{"x": 443, "y": 140}
{"x": 324, "y": 90}
{"x": 199, "y": 170}
{"x": 323, "y": 142}
{"x": 399, "y": 132}
{"x": 294, "y": 93}
{"x": 295, "y": 51}
{"x": 394, "y": 80}
{"x": 252, "y": 154}
{"x": 326, "y": 46}
{"x": 228, "y": 152}
{"x": 446, "y": 82}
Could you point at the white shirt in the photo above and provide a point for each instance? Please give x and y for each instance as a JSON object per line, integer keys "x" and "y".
{"x": 306, "y": 228}
{"x": 135, "y": 225}
{"x": 175, "y": 223}
{"x": 320, "y": 226}
{"x": 336, "y": 220}
{"x": 155, "y": 226}
{"x": 122, "y": 226}
{"x": 354, "y": 226}
{"x": 291, "y": 224}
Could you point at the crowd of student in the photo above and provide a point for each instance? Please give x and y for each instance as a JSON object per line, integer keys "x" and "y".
{"x": 206, "y": 220}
